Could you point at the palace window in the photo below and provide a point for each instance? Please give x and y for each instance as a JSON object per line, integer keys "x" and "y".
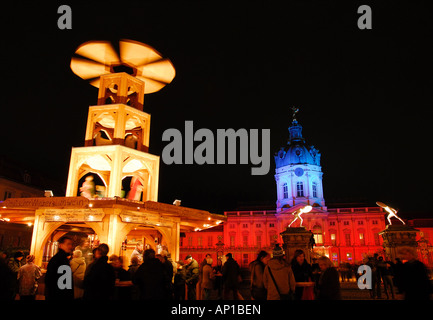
{"x": 332, "y": 223}
{"x": 346, "y": 223}
{"x": 8, "y": 194}
{"x": 232, "y": 241}
{"x": 209, "y": 241}
{"x": 361, "y": 239}
{"x": 360, "y": 223}
{"x": 190, "y": 242}
{"x": 259, "y": 241}
{"x": 347, "y": 239}
{"x": 181, "y": 242}
{"x": 232, "y": 225}
{"x": 299, "y": 189}
{"x": 374, "y": 222}
{"x": 376, "y": 239}
{"x": 245, "y": 225}
{"x": 271, "y": 225}
{"x": 285, "y": 190}
{"x": 317, "y": 232}
{"x": 245, "y": 241}
{"x": 200, "y": 242}
{"x": 315, "y": 189}
{"x": 333, "y": 239}
{"x": 273, "y": 238}
{"x": 245, "y": 259}
{"x": 258, "y": 225}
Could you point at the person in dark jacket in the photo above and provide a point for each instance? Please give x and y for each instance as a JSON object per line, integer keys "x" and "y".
{"x": 7, "y": 280}
{"x": 301, "y": 270}
{"x": 329, "y": 282}
{"x": 149, "y": 277}
{"x": 191, "y": 276}
{"x": 132, "y": 268}
{"x": 231, "y": 274}
{"x": 123, "y": 291}
{"x": 415, "y": 282}
{"x": 14, "y": 264}
{"x": 179, "y": 282}
{"x": 100, "y": 278}
{"x": 257, "y": 268}
{"x": 168, "y": 275}
{"x": 52, "y": 289}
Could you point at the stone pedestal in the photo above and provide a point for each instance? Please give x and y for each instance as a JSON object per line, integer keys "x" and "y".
{"x": 294, "y": 239}
{"x": 397, "y": 236}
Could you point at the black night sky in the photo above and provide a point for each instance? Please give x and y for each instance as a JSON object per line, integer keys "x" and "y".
{"x": 365, "y": 96}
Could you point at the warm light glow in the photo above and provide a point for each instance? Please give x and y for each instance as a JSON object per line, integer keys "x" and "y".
{"x": 208, "y": 218}
{"x": 29, "y": 224}
{"x": 90, "y": 205}
{"x": 306, "y": 209}
{"x": 56, "y": 218}
{"x": 133, "y": 165}
{"x": 99, "y": 163}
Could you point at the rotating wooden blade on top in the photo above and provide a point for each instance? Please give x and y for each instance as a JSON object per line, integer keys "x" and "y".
{"x": 87, "y": 69}
{"x": 148, "y": 64}
{"x": 100, "y": 51}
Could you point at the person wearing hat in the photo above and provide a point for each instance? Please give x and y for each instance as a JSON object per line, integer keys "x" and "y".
{"x": 28, "y": 276}
{"x": 191, "y": 276}
{"x": 278, "y": 277}
{"x": 14, "y": 264}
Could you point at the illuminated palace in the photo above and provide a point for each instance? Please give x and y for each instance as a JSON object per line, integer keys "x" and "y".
{"x": 342, "y": 234}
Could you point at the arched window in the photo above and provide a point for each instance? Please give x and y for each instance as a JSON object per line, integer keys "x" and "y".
{"x": 285, "y": 190}
{"x": 314, "y": 187}
{"x": 299, "y": 189}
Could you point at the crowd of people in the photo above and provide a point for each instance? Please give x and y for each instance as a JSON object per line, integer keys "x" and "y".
{"x": 152, "y": 276}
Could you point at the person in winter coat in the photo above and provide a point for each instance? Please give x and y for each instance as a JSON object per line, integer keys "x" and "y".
{"x": 257, "y": 267}
{"x": 7, "y": 280}
{"x": 99, "y": 279}
{"x": 28, "y": 276}
{"x": 231, "y": 277}
{"x": 179, "y": 282}
{"x": 60, "y": 259}
{"x": 207, "y": 279}
{"x": 414, "y": 279}
{"x": 14, "y": 264}
{"x": 132, "y": 268}
{"x": 78, "y": 267}
{"x": 150, "y": 277}
{"x": 122, "y": 290}
{"x": 329, "y": 281}
{"x": 283, "y": 275}
{"x": 191, "y": 276}
{"x": 301, "y": 270}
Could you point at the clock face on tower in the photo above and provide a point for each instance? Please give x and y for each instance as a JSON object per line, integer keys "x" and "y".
{"x": 299, "y": 172}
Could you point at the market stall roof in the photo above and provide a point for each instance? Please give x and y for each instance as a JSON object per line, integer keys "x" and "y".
{"x": 23, "y": 210}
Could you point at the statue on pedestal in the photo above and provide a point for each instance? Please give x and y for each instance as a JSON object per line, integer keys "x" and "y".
{"x": 392, "y": 212}
{"x": 298, "y": 214}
